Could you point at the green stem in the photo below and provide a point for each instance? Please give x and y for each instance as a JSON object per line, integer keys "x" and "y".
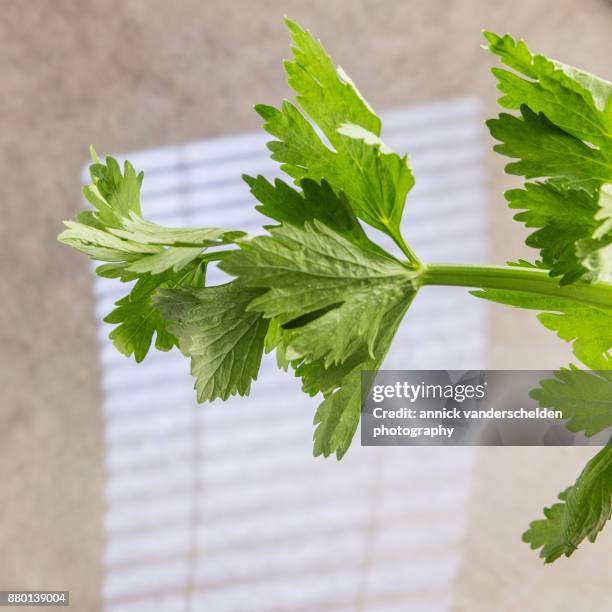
{"x": 516, "y": 279}
{"x": 406, "y": 250}
{"x": 216, "y": 255}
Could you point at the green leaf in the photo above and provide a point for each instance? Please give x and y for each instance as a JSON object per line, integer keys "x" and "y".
{"x": 319, "y": 378}
{"x": 577, "y": 102}
{"x": 596, "y": 253}
{"x": 375, "y": 179}
{"x": 319, "y": 202}
{"x": 136, "y": 229}
{"x": 329, "y": 295}
{"x": 337, "y": 417}
{"x": 585, "y": 398}
{"x": 564, "y": 217}
{"x": 116, "y": 232}
{"x": 141, "y": 247}
{"x": 224, "y": 341}
{"x": 138, "y": 321}
{"x": 303, "y": 338}
{"x": 326, "y": 93}
{"x": 587, "y": 327}
{"x": 337, "y": 307}
{"x": 113, "y": 194}
{"x": 102, "y": 245}
{"x": 134, "y": 249}
{"x": 583, "y": 512}
{"x": 544, "y": 150}
{"x": 604, "y": 212}
{"x": 564, "y": 135}
{"x": 523, "y": 263}
{"x": 590, "y": 331}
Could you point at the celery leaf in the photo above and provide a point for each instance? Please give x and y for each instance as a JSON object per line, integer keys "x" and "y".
{"x": 329, "y": 295}
{"x": 588, "y": 328}
{"x": 337, "y": 307}
{"x": 223, "y": 340}
{"x": 582, "y": 513}
{"x": 135, "y": 249}
{"x": 585, "y": 398}
{"x": 375, "y": 179}
{"x": 563, "y": 135}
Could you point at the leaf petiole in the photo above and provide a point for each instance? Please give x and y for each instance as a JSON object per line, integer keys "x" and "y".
{"x": 406, "y": 250}
{"x": 216, "y": 255}
{"x": 512, "y": 278}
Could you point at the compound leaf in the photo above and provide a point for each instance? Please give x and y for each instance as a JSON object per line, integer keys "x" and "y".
{"x": 582, "y": 513}
{"x": 329, "y": 295}
{"x": 135, "y": 249}
{"x": 337, "y": 307}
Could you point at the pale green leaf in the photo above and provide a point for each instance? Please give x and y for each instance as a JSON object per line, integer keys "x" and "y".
{"x": 335, "y": 306}
{"x": 223, "y": 340}
{"x": 138, "y": 321}
{"x": 330, "y": 296}
{"x": 588, "y": 328}
{"x": 583, "y": 512}
{"x": 117, "y": 233}
{"x": 585, "y": 398}
{"x": 337, "y": 417}
{"x": 113, "y": 194}
{"x": 375, "y": 180}
{"x": 326, "y": 93}
{"x": 135, "y": 249}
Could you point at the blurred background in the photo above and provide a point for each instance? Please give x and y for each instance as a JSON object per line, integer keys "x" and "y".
{"x": 116, "y": 486}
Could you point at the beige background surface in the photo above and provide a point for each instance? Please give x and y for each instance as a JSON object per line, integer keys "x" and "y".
{"x": 135, "y": 74}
